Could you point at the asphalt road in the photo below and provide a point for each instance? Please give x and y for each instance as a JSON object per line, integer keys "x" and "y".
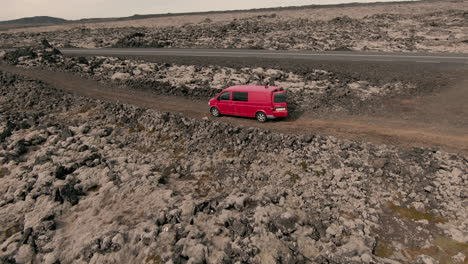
{"x": 309, "y": 55}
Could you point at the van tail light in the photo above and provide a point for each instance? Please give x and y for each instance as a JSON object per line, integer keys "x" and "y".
{"x": 280, "y": 109}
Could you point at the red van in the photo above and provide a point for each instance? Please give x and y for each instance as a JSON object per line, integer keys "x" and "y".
{"x": 261, "y": 102}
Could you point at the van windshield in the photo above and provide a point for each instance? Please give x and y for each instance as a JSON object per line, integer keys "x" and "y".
{"x": 280, "y": 98}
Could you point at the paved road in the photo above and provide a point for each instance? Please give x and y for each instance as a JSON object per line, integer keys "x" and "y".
{"x": 311, "y": 55}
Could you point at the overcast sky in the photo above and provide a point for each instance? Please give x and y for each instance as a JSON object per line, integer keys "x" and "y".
{"x": 76, "y": 9}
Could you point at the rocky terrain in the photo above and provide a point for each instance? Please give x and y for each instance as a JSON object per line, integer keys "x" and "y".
{"x": 434, "y": 31}
{"x": 87, "y": 181}
{"x": 308, "y": 88}
{"x": 90, "y": 181}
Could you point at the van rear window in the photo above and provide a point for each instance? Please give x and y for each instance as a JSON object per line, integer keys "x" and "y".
{"x": 280, "y": 98}
{"x": 240, "y": 96}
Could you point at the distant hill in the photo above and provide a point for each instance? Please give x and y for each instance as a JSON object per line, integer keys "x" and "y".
{"x": 268, "y": 9}
{"x": 41, "y": 20}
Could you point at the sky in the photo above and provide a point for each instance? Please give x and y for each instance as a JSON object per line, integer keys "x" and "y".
{"x": 76, "y": 9}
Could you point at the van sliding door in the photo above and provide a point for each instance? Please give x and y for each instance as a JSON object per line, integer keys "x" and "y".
{"x": 240, "y": 103}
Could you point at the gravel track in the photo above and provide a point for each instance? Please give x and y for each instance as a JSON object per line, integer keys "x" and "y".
{"x": 372, "y": 128}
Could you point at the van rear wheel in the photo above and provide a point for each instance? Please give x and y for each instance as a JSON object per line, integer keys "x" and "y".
{"x": 261, "y": 117}
{"x": 215, "y": 112}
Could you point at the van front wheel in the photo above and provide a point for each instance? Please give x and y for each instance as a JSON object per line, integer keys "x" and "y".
{"x": 215, "y": 112}
{"x": 261, "y": 117}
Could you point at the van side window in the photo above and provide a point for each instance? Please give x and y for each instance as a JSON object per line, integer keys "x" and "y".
{"x": 225, "y": 96}
{"x": 240, "y": 96}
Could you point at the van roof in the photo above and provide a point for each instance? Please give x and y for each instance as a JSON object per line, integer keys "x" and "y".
{"x": 253, "y": 88}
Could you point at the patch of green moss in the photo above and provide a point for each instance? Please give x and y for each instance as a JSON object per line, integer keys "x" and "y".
{"x": 293, "y": 177}
{"x": 153, "y": 259}
{"x": 11, "y": 230}
{"x": 178, "y": 152}
{"x": 413, "y": 214}
{"x": 442, "y": 250}
{"x": 450, "y": 246}
{"x": 85, "y": 108}
{"x": 137, "y": 128}
{"x": 202, "y": 185}
{"x": 164, "y": 138}
{"x": 230, "y": 153}
{"x": 4, "y": 172}
{"x": 146, "y": 149}
{"x": 384, "y": 249}
{"x": 320, "y": 173}
{"x": 303, "y": 165}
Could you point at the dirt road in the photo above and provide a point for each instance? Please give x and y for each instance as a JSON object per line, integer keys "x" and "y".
{"x": 439, "y": 120}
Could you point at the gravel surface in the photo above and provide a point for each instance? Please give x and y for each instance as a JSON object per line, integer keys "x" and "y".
{"x": 440, "y": 31}
{"x": 91, "y": 182}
